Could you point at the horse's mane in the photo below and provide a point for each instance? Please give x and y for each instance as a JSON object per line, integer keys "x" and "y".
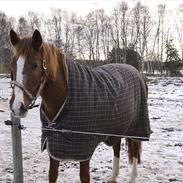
{"x": 50, "y": 54}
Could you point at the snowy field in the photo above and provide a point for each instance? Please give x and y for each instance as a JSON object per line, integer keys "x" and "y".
{"x": 162, "y": 157}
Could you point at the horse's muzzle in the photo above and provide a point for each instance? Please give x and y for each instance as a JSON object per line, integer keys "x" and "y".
{"x": 21, "y": 112}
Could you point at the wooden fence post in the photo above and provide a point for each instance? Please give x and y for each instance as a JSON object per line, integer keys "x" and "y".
{"x": 17, "y": 149}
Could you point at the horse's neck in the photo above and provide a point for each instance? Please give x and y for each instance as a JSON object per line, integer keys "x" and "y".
{"x": 54, "y": 92}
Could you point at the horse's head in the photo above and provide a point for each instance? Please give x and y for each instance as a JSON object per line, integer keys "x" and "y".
{"x": 27, "y": 72}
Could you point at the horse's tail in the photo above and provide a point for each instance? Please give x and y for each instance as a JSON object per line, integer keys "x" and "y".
{"x": 134, "y": 150}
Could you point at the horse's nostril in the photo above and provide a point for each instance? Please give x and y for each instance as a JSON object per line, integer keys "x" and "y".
{"x": 23, "y": 109}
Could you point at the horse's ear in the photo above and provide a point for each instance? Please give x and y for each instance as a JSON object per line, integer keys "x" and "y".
{"x": 14, "y": 37}
{"x": 36, "y": 40}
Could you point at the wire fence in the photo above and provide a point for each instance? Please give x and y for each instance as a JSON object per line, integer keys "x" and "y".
{"x": 155, "y": 154}
{"x": 103, "y": 134}
{"x": 179, "y": 142}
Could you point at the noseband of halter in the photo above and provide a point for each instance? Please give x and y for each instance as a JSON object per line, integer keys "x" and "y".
{"x": 14, "y": 83}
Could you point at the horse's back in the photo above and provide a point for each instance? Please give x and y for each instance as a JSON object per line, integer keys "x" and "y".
{"x": 120, "y": 76}
{"x": 123, "y": 70}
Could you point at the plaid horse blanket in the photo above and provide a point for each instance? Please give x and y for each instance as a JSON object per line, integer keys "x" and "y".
{"x": 110, "y": 99}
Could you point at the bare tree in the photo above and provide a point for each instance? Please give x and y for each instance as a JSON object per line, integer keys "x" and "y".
{"x": 69, "y": 26}
{"x": 104, "y": 33}
{"x": 135, "y": 23}
{"x": 90, "y": 34}
{"x": 79, "y": 32}
{"x": 97, "y": 44}
{"x": 66, "y": 31}
{"x": 115, "y": 28}
{"x": 179, "y": 28}
{"x": 4, "y": 30}
{"x": 73, "y": 21}
{"x": 33, "y": 21}
{"x": 115, "y": 35}
{"x": 144, "y": 34}
{"x": 4, "y": 41}
{"x": 23, "y": 26}
{"x": 123, "y": 22}
{"x": 160, "y": 34}
{"x": 54, "y": 27}
{"x": 160, "y": 37}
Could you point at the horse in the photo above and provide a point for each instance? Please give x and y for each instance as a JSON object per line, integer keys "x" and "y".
{"x": 39, "y": 68}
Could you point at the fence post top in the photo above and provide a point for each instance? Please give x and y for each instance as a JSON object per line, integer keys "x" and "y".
{"x": 15, "y": 120}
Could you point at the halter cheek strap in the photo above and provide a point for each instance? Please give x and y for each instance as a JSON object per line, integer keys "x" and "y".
{"x": 31, "y": 97}
{"x": 22, "y": 87}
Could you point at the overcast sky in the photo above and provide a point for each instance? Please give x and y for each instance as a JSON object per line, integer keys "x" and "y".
{"x": 16, "y": 8}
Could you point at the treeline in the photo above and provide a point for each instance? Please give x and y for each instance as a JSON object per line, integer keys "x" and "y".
{"x": 99, "y": 37}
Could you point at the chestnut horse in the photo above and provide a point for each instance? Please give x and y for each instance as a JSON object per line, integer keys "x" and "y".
{"x": 40, "y": 69}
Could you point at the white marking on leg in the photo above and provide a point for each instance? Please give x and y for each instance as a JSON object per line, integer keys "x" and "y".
{"x": 17, "y": 91}
{"x": 134, "y": 170}
{"x": 115, "y": 169}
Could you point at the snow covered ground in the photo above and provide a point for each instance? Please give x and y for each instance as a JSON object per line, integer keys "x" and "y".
{"x": 162, "y": 157}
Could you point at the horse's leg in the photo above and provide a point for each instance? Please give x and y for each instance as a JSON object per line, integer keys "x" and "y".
{"x": 115, "y": 169}
{"x": 134, "y": 170}
{"x": 134, "y": 154}
{"x": 53, "y": 171}
{"x": 85, "y": 171}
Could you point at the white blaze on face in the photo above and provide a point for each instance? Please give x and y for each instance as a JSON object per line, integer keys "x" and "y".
{"x": 19, "y": 99}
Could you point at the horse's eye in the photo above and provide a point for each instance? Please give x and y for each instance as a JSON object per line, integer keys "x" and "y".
{"x": 34, "y": 66}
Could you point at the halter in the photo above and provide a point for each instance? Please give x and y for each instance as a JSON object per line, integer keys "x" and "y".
{"x": 14, "y": 83}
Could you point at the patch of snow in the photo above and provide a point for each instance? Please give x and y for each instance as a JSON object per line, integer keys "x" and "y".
{"x": 162, "y": 157}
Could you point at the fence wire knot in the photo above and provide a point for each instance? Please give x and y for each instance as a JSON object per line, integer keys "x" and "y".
{"x": 10, "y": 123}
{"x": 22, "y": 127}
